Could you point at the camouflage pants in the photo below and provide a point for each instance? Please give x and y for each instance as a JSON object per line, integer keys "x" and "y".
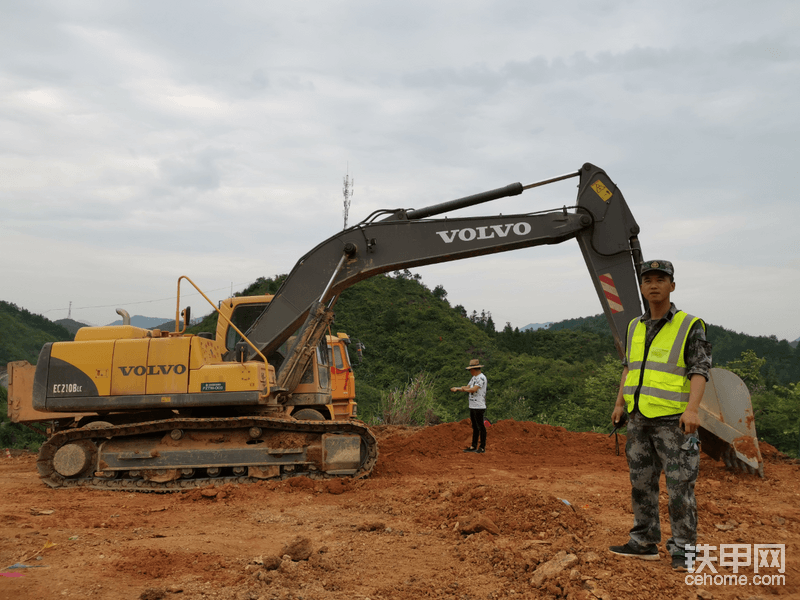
{"x": 653, "y": 447}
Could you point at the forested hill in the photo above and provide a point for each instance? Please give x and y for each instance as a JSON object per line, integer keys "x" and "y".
{"x": 783, "y": 358}
{"x": 22, "y": 334}
{"x": 565, "y": 375}
{"x": 400, "y": 298}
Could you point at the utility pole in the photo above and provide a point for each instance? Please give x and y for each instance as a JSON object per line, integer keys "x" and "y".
{"x": 69, "y": 313}
{"x": 348, "y": 193}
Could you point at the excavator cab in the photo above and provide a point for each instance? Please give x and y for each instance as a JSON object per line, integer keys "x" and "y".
{"x": 241, "y": 312}
{"x": 326, "y": 389}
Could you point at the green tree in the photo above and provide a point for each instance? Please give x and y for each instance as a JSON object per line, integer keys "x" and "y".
{"x": 590, "y": 408}
{"x": 777, "y": 415}
{"x": 749, "y": 367}
{"x": 14, "y": 435}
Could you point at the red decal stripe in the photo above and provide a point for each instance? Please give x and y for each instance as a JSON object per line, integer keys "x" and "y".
{"x": 610, "y": 290}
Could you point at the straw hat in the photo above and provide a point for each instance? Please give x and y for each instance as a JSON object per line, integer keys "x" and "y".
{"x": 474, "y": 364}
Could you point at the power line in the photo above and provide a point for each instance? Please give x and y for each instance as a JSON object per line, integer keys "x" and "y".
{"x": 136, "y": 303}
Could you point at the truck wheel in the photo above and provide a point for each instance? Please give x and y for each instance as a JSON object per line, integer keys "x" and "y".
{"x": 308, "y": 414}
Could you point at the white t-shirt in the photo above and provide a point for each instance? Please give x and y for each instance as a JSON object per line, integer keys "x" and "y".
{"x": 478, "y": 399}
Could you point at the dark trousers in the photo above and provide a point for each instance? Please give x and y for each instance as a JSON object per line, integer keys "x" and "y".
{"x": 651, "y": 449}
{"x": 478, "y": 426}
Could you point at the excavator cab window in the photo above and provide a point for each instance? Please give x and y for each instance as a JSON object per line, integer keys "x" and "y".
{"x": 243, "y": 317}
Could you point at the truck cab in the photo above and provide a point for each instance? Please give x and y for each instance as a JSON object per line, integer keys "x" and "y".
{"x": 343, "y": 388}
{"x": 327, "y": 388}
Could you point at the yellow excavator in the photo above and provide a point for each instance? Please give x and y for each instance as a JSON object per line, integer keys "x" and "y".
{"x": 186, "y": 442}
{"x": 271, "y": 393}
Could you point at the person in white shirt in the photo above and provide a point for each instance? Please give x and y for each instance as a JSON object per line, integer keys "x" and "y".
{"x": 477, "y": 405}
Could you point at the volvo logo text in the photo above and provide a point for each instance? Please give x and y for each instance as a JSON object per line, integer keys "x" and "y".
{"x": 484, "y": 233}
{"x": 153, "y": 370}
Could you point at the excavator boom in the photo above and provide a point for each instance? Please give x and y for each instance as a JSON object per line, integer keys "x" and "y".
{"x": 601, "y": 221}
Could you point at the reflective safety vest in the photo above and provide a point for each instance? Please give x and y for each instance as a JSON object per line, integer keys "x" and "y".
{"x": 662, "y": 375}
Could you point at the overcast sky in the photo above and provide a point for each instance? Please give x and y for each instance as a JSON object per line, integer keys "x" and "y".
{"x": 146, "y": 140}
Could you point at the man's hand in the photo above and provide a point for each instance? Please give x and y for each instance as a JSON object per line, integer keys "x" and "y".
{"x": 455, "y": 389}
{"x": 619, "y": 405}
{"x": 617, "y": 415}
{"x": 690, "y": 420}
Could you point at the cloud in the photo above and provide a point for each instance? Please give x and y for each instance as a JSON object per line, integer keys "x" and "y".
{"x": 198, "y": 137}
{"x": 199, "y": 172}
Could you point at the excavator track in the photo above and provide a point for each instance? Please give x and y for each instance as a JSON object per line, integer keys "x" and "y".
{"x": 188, "y": 453}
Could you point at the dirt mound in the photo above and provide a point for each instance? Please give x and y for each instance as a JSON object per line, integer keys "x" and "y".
{"x": 400, "y": 451}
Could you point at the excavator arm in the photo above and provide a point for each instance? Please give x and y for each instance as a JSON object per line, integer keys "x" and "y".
{"x": 600, "y": 221}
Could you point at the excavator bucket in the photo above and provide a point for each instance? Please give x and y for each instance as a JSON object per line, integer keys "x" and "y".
{"x": 727, "y": 426}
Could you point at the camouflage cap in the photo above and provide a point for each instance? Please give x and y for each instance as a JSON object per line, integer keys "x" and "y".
{"x": 658, "y": 265}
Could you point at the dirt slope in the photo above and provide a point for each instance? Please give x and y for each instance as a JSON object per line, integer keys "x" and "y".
{"x": 531, "y": 518}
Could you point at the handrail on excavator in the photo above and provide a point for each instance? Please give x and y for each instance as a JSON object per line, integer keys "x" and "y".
{"x": 178, "y": 309}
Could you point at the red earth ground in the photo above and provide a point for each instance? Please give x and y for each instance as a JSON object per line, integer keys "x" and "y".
{"x": 531, "y": 518}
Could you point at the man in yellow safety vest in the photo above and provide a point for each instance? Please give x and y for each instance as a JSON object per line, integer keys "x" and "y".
{"x": 665, "y": 374}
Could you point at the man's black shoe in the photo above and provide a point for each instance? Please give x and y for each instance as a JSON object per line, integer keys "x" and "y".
{"x": 679, "y": 563}
{"x": 650, "y": 553}
{"x": 480, "y": 450}
{"x": 470, "y": 449}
